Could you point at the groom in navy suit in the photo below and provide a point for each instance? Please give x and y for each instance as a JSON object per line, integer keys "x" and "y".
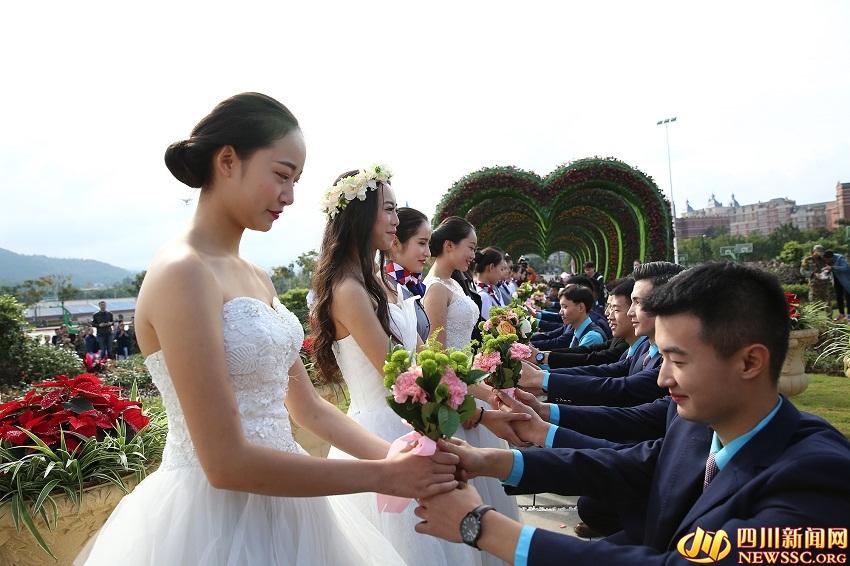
{"x": 738, "y": 463}
{"x": 630, "y": 381}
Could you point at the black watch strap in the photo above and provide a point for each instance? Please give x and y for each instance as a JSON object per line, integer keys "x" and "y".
{"x": 478, "y": 513}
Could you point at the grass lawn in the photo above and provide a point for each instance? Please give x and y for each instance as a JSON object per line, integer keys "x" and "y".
{"x": 829, "y": 398}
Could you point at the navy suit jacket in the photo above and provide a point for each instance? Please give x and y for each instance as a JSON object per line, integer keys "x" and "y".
{"x": 605, "y": 353}
{"x": 601, "y": 427}
{"x": 792, "y": 473}
{"x": 622, "y": 384}
{"x": 558, "y": 338}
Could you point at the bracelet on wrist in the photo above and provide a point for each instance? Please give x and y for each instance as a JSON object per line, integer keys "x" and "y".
{"x": 480, "y": 416}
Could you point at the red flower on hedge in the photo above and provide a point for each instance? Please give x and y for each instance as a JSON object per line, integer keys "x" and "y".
{"x": 82, "y": 404}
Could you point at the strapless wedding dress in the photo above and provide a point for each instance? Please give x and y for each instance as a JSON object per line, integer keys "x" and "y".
{"x": 369, "y": 408}
{"x": 176, "y": 517}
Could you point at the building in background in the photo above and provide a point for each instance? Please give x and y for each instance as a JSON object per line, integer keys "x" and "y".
{"x": 764, "y": 217}
{"x": 50, "y": 313}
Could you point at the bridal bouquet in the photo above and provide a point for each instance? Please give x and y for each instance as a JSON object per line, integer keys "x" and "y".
{"x": 531, "y": 296}
{"x": 524, "y": 292}
{"x": 501, "y": 357}
{"x": 430, "y": 391}
{"x": 509, "y": 320}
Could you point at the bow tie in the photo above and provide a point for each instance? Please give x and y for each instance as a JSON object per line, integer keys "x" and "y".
{"x": 486, "y": 287}
{"x": 407, "y": 278}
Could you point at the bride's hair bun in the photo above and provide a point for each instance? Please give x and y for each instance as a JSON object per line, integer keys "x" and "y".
{"x": 247, "y": 122}
{"x": 488, "y": 256}
{"x": 187, "y": 164}
{"x": 452, "y": 229}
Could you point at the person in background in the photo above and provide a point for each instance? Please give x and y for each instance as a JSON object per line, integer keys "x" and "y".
{"x": 124, "y": 342}
{"x": 489, "y": 270}
{"x": 837, "y": 265}
{"x": 56, "y": 339}
{"x": 601, "y": 291}
{"x": 102, "y": 321}
{"x": 816, "y": 270}
{"x": 92, "y": 343}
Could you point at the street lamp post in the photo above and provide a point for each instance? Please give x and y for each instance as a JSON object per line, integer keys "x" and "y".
{"x": 666, "y": 123}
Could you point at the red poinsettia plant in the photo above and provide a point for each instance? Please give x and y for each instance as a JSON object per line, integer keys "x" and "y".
{"x": 806, "y": 315}
{"x": 793, "y": 305}
{"x": 83, "y": 405}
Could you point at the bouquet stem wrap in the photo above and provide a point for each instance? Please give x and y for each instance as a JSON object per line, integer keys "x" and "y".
{"x": 424, "y": 447}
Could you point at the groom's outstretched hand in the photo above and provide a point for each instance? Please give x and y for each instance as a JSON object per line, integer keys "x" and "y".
{"x": 411, "y": 475}
{"x": 532, "y": 430}
{"x": 531, "y": 378}
{"x": 501, "y": 423}
{"x": 441, "y": 515}
{"x": 492, "y": 462}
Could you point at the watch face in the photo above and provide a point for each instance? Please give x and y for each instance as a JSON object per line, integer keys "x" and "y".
{"x": 469, "y": 529}
{"x": 540, "y": 356}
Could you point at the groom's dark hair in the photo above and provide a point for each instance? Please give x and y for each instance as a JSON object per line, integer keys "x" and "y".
{"x": 737, "y": 306}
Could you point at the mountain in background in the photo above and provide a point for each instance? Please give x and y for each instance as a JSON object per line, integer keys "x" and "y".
{"x": 16, "y": 268}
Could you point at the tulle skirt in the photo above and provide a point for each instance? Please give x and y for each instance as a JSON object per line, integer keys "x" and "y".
{"x": 175, "y": 517}
{"x": 418, "y": 549}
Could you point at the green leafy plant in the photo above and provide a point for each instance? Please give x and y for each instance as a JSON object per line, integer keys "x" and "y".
{"x": 125, "y": 373}
{"x": 806, "y": 315}
{"x": 41, "y": 361}
{"x": 35, "y": 474}
{"x": 296, "y": 301}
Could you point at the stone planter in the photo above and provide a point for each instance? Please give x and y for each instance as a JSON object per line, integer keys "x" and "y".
{"x": 793, "y": 380}
{"x": 314, "y": 445}
{"x": 74, "y": 527}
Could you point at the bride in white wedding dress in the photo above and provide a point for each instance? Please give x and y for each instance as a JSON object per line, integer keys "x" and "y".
{"x": 356, "y": 316}
{"x": 233, "y": 487}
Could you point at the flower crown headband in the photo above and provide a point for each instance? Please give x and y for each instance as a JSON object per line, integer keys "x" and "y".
{"x": 355, "y": 186}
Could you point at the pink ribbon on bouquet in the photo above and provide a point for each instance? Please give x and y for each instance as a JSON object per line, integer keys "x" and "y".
{"x": 509, "y": 391}
{"x": 424, "y": 447}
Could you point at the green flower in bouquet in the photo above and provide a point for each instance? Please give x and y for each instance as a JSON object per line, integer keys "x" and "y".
{"x": 430, "y": 390}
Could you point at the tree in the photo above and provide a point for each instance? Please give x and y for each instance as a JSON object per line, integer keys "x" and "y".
{"x": 307, "y": 262}
{"x": 281, "y": 276}
{"x": 792, "y": 252}
{"x": 32, "y": 291}
{"x": 136, "y": 284}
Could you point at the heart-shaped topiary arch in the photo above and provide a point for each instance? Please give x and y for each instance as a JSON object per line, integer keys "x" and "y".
{"x": 597, "y": 209}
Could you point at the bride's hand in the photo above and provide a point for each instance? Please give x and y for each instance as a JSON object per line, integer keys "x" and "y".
{"x": 409, "y": 475}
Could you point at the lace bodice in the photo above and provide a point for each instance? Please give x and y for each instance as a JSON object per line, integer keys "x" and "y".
{"x": 261, "y": 343}
{"x": 462, "y": 313}
{"x": 365, "y": 383}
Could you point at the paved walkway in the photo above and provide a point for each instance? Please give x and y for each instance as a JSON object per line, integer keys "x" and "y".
{"x": 552, "y": 512}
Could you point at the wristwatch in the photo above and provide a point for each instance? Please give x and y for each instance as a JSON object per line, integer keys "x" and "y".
{"x": 470, "y": 526}
{"x": 540, "y": 357}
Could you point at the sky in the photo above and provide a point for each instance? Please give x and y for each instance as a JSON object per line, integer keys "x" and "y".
{"x": 94, "y": 92}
